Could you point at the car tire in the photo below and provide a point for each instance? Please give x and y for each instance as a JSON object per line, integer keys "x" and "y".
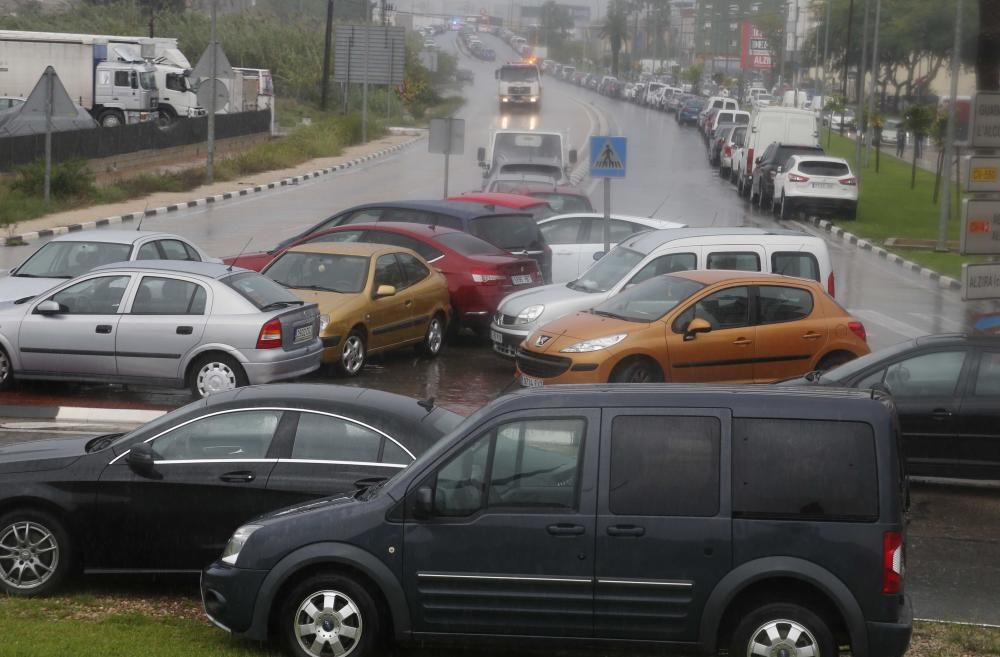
{"x": 786, "y": 208}
{"x": 214, "y": 373}
{"x": 835, "y": 359}
{"x": 6, "y": 371}
{"x": 341, "y": 612}
{"x": 636, "y": 370}
{"x": 434, "y": 337}
{"x": 353, "y": 354}
{"x": 783, "y": 628}
{"x": 46, "y": 557}
{"x": 852, "y": 214}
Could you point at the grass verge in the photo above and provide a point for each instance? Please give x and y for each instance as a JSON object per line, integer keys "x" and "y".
{"x": 21, "y": 197}
{"x": 888, "y": 207}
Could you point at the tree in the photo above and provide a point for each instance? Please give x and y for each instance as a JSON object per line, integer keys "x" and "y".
{"x": 988, "y": 52}
{"x": 918, "y": 120}
{"x": 615, "y": 30}
{"x": 693, "y": 77}
{"x": 554, "y": 24}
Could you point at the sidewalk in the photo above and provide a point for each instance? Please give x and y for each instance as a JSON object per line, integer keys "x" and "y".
{"x": 139, "y": 205}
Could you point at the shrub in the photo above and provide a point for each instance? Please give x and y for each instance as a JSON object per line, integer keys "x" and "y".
{"x": 70, "y": 179}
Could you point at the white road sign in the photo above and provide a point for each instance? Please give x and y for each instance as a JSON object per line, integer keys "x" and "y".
{"x": 981, "y": 281}
{"x": 980, "y": 227}
{"x": 986, "y": 120}
{"x": 982, "y": 174}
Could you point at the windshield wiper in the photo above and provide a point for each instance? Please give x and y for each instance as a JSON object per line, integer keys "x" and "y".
{"x": 274, "y": 305}
{"x": 605, "y": 313}
{"x": 317, "y": 288}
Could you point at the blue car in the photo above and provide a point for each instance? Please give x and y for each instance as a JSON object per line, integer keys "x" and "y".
{"x": 688, "y": 114}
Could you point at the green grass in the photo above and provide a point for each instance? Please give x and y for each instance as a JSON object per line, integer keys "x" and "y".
{"x": 888, "y": 207}
{"x": 947, "y": 640}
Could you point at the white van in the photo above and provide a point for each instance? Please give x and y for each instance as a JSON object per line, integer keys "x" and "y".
{"x": 729, "y": 116}
{"x": 723, "y": 103}
{"x": 770, "y": 124}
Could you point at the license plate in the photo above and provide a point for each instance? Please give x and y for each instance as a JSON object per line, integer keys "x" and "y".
{"x": 822, "y": 185}
{"x": 303, "y": 333}
{"x": 531, "y": 382}
{"x": 496, "y": 336}
{"x": 521, "y": 279}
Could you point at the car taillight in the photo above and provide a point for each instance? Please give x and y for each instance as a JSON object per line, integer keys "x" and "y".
{"x": 831, "y": 285}
{"x": 794, "y": 177}
{"x": 858, "y": 329}
{"x": 728, "y": 151}
{"x": 270, "y": 335}
{"x": 849, "y": 181}
{"x": 749, "y": 162}
{"x": 892, "y": 562}
{"x": 484, "y": 278}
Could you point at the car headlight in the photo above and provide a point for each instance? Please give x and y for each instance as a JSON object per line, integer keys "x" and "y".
{"x": 529, "y": 314}
{"x": 594, "y": 345}
{"x": 232, "y": 551}
{"x": 324, "y": 321}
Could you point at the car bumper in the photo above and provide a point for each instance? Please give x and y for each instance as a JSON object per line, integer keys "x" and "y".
{"x": 891, "y": 639}
{"x": 519, "y": 100}
{"x": 536, "y": 369}
{"x": 505, "y": 341}
{"x": 228, "y": 596}
{"x": 267, "y": 365}
{"x": 822, "y": 204}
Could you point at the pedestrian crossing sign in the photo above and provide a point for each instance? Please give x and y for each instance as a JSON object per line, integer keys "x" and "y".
{"x": 607, "y": 157}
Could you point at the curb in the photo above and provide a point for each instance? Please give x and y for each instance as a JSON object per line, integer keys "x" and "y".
{"x": 945, "y": 282}
{"x": 210, "y": 200}
{"x": 81, "y": 414}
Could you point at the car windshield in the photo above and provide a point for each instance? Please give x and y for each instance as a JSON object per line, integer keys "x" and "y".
{"x": 565, "y": 203}
{"x": 518, "y": 73}
{"x": 69, "y": 259}
{"x": 606, "y": 272}
{"x": 510, "y": 232}
{"x": 329, "y": 272}
{"x": 260, "y": 290}
{"x": 649, "y": 301}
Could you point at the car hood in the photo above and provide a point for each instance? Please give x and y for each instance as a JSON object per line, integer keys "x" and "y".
{"x": 331, "y": 303}
{"x": 18, "y": 287}
{"x": 39, "y": 455}
{"x": 558, "y": 300}
{"x": 580, "y": 326}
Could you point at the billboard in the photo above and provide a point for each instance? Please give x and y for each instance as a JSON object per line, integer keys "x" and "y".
{"x": 755, "y": 52}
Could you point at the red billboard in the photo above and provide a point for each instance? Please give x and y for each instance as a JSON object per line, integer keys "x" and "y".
{"x": 755, "y": 52}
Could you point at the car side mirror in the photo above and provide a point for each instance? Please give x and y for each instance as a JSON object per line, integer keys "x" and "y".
{"x": 757, "y": 160}
{"x": 572, "y": 156}
{"x": 481, "y": 155}
{"x": 697, "y": 325}
{"x": 423, "y": 502}
{"x": 142, "y": 459}
{"x": 385, "y": 291}
{"x": 48, "y": 307}
{"x": 598, "y": 255}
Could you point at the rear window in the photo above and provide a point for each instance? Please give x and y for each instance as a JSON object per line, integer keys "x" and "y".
{"x": 735, "y": 261}
{"x": 804, "y": 470}
{"x": 824, "y": 168}
{"x": 786, "y": 152}
{"x": 742, "y": 119}
{"x": 565, "y": 203}
{"x": 468, "y": 245}
{"x": 508, "y": 231}
{"x": 259, "y": 290}
{"x": 795, "y": 263}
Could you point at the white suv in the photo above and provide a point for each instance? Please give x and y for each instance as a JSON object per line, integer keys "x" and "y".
{"x": 817, "y": 184}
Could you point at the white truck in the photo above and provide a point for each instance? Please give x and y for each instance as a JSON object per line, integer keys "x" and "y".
{"x": 527, "y": 156}
{"x": 108, "y": 81}
{"x": 519, "y": 84}
{"x": 178, "y": 98}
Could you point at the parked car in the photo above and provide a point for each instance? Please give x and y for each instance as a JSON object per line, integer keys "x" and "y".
{"x": 561, "y": 198}
{"x": 696, "y": 327}
{"x": 684, "y": 502}
{"x": 891, "y": 130}
{"x": 689, "y": 111}
{"x": 820, "y": 185}
{"x": 577, "y": 239}
{"x": 536, "y": 207}
{"x": 769, "y": 125}
{"x": 729, "y": 153}
{"x": 167, "y": 323}
{"x": 166, "y": 496}
{"x": 72, "y": 254}
{"x": 514, "y": 232}
{"x": 766, "y": 168}
{"x": 947, "y": 391}
{"x": 719, "y": 136}
{"x": 374, "y": 298}
{"x": 643, "y": 256}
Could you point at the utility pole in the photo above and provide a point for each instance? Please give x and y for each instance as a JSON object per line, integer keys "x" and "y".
{"x": 210, "y": 151}
{"x": 862, "y": 70}
{"x": 826, "y": 54}
{"x": 50, "y": 89}
{"x": 847, "y": 58}
{"x": 871, "y": 98}
{"x": 327, "y": 43}
{"x": 949, "y": 140}
{"x": 795, "y": 58}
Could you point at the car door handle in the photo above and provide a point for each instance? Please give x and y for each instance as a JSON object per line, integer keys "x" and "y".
{"x": 408, "y": 303}
{"x": 240, "y": 477}
{"x": 633, "y": 531}
{"x": 811, "y": 335}
{"x": 742, "y": 342}
{"x": 103, "y": 328}
{"x": 185, "y": 330}
{"x": 563, "y": 529}
{"x": 941, "y": 414}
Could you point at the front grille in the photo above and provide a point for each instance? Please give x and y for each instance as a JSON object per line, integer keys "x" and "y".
{"x": 541, "y": 365}
{"x": 519, "y": 90}
{"x": 504, "y": 320}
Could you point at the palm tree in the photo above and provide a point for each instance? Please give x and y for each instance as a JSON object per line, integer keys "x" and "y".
{"x": 615, "y": 30}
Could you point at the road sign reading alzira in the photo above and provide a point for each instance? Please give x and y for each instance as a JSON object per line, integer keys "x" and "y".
{"x": 755, "y": 52}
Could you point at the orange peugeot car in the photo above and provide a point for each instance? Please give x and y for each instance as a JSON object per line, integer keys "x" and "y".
{"x": 697, "y": 326}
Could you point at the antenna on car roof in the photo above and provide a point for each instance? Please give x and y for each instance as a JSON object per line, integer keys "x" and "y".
{"x": 427, "y": 404}
{"x": 233, "y": 263}
{"x": 138, "y": 226}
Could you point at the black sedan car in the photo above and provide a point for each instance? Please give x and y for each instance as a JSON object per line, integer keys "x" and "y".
{"x": 947, "y": 393}
{"x": 167, "y": 496}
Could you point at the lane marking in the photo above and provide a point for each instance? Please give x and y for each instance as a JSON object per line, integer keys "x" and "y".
{"x": 894, "y": 325}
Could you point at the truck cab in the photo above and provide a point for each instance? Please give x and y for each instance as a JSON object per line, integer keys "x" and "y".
{"x": 519, "y": 84}
{"x": 125, "y": 92}
{"x": 527, "y": 152}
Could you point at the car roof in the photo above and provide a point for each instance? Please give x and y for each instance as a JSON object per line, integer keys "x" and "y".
{"x": 364, "y": 249}
{"x": 648, "y": 241}
{"x": 402, "y": 227}
{"x": 820, "y": 158}
{"x": 529, "y": 187}
{"x": 712, "y": 276}
{"x": 650, "y": 222}
{"x": 516, "y": 201}
{"x": 983, "y": 339}
{"x": 206, "y": 269}
{"x": 459, "y": 209}
{"x": 110, "y": 236}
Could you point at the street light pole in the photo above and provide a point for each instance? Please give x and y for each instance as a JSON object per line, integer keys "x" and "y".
{"x": 210, "y": 150}
{"x": 862, "y": 69}
{"x": 327, "y": 43}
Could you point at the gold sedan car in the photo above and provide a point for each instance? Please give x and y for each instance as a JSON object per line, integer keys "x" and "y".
{"x": 373, "y": 298}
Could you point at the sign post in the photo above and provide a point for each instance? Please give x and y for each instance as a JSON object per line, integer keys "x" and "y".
{"x": 981, "y": 211}
{"x": 608, "y": 157}
{"x": 447, "y": 137}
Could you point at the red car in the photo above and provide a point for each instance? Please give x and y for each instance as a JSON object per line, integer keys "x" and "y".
{"x": 563, "y": 199}
{"x": 479, "y": 274}
{"x": 538, "y": 208}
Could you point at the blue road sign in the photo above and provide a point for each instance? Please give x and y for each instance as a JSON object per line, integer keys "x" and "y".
{"x": 607, "y": 157}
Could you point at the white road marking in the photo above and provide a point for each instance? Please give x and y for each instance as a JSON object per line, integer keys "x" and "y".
{"x": 894, "y": 325}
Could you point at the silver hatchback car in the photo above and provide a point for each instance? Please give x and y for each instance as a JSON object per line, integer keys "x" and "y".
{"x": 161, "y": 322}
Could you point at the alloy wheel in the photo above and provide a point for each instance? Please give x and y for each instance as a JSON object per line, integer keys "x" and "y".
{"x": 29, "y": 555}
{"x": 328, "y": 623}
{"x": 215, "y": 377}
{"x": 435, "y": 336}
{"x": 5, "y": 367}
{"x": 353, "y": 355}
{"x": 782, "y": 638}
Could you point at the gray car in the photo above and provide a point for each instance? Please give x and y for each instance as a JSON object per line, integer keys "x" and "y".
{"x": 203, "y": 325}
{"x": 72, "y": 254}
